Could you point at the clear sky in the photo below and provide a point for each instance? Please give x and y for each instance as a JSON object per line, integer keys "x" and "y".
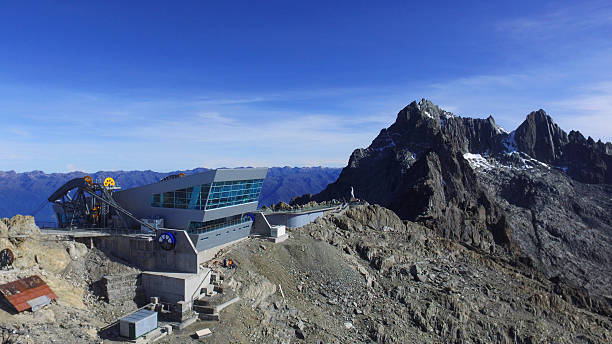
{"x": 109, "y": 85}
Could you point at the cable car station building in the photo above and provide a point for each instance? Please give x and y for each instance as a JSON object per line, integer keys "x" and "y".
{"x": 168, "y": 229}
{"x": 214, "y": 207}
{"x": 198, "y": 214}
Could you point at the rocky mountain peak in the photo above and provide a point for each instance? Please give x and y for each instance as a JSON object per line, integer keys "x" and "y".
{"x": 430, "y": 109}
{"x": 541, "y": 138}
{"x": 422, "y": 114}
{"x": 472, "y": 181}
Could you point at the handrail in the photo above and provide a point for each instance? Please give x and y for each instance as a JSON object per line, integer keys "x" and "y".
{"x": 200, "y": 286}
{"x": 300, "y": 210}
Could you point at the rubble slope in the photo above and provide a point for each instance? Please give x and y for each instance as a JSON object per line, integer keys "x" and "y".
{"x": 365, "y": 276}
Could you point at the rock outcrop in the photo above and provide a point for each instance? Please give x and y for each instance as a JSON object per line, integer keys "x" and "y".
{"x": 540, "y": 138}
{"x": 416, "y": 168}
{"x": 537, "y": 192}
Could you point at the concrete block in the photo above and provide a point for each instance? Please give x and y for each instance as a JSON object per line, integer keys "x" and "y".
{"x": 180, "y": 307}
{"x": 277, "y": 231}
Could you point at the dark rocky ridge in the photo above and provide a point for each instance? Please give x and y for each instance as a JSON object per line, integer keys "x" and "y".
{"x": 538, "y": 192}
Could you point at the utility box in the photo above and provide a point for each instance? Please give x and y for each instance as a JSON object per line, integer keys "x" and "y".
{"x": 277, "y": 231}
{"x": 138, "y": 323}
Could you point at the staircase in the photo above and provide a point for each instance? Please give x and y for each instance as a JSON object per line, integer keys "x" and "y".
{"x": 219, "y": 295}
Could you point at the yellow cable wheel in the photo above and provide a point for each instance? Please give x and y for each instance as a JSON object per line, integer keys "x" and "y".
{"x": 88, "y": 180}
{"x": 109, "y": 182}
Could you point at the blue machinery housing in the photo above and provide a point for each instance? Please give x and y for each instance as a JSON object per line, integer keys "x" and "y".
{"x": 214, "y": 207}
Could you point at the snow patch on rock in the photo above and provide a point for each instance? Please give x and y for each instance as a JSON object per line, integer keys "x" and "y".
{"x": 477, "y": 161}
{"x": 501, "y": 130}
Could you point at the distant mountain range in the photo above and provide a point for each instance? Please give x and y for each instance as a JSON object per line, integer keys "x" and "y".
{"x": 26, "y": 193}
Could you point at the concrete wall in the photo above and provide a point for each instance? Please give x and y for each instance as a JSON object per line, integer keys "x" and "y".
{"x": 261, "y": 225}
{"x": 174, "y": 287}
{"x": 134, "y": 250}
{"x": 145, "y": 253}
{"x": 293, "y": 220}
{"x": 183, "y": 258}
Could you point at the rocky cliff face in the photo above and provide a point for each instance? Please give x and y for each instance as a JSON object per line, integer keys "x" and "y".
{"x": 540, "y": 138}
{"x": 537, "y": 192}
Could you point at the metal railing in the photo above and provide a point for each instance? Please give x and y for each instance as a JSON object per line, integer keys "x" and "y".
{"x": 199, "y": 289}
{"x": 46, "y": 224}
{"x": 301, "y": 210}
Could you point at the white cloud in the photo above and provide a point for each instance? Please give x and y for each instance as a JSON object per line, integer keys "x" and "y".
{"x": 105, "y": 132}
{"x": 62, "y": 130}
{"x": 72, "y": 168}
{"x": 576, "y": 18}
{"x": 590, "y": 110}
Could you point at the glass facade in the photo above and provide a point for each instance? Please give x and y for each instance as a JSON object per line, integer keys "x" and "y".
{"x": 205, "y": 197}
{"x": 225, "y": 194}
{"x": 189, "y": 198}
{"x": 203, "y": 227}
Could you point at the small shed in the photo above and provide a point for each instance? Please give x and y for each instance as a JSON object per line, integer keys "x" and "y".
{"x": 138, "y": 323}
{"x": 27, "y": 293}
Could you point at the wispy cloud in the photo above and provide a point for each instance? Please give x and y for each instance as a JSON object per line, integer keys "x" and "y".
{"x": 59, "y": 130}
{"x": 73, "y": 168}
{"x": 579, "y": 17}
{"x": 590, "y": 110}
{"x": 104, "y": 132}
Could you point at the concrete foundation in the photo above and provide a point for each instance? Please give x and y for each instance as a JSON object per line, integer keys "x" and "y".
{"x": 177, "y": 291}
{"x": 261, "y": 226}
{"x": 172, "y": 287}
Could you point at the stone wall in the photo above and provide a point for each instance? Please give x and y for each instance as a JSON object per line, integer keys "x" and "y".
{"x": 126, "y": 287}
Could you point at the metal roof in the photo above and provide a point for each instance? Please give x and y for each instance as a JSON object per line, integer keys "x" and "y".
{"x": 24, "y": 293}
{"x": 138, "y": 315}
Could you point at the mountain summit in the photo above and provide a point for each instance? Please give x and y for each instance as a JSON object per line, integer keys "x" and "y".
{"x": 536, "y": 192}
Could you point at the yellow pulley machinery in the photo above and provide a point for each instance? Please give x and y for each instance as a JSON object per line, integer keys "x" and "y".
{"x": 85, "y": 203}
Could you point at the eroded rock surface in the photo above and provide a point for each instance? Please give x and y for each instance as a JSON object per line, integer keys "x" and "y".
{"x": 365, "y": 276}
{"x": 536, "y": 192}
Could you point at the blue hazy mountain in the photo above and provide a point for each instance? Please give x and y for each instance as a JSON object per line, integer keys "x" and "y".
{"x": 26, "y": 193}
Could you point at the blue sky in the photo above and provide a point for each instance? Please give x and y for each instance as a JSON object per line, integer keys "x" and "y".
{"x": 111, "y": 85}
